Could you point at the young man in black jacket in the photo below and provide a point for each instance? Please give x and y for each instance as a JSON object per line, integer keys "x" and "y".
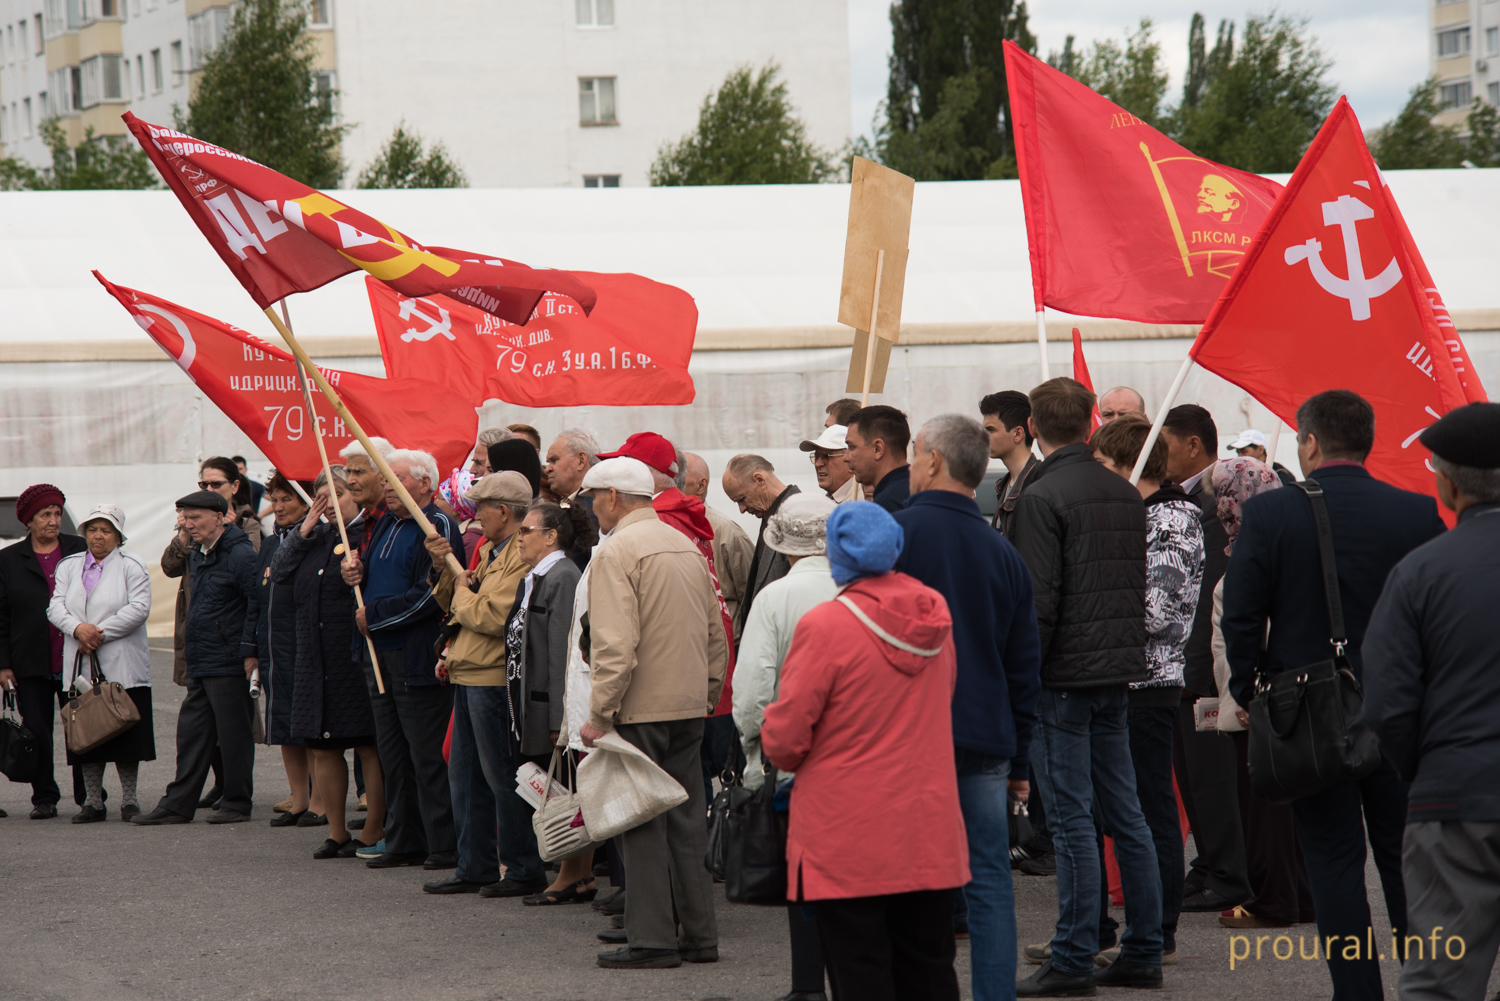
{"x": 1082, "y": 531}
{"x": 221, "y": 653}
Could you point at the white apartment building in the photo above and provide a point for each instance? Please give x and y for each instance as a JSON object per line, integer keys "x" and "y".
{"x": 1464, "y": 54}
{"x": 546, "y": 93}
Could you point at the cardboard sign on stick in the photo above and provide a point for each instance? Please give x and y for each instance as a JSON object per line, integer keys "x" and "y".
{"x": 879, "y": 219}
{"x": 857, "y": 358}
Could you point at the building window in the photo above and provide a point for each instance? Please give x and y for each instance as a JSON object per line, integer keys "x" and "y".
{"x": 1453, "y": 43}
{"x": 25, "y": 47}
{"x": 205, "y": 32}
{"x": 156, "y": 71}
{"x": 1492, "y": 41}
{"x": 41, "y": 41}
{"x": 109, "y": 8}
{"x": 1457, "y": 94}
{"x": 1494, "y": 92}
{"x": 27, "y": 105}
{"x": 10, "y": 43}
{"x": 320, "y": 13}
{"x": 324, "y": 86}
{"x": 601, "y": 180}
{"x": 596, "y": 100}
{"x": 177, "y": 64}
{"x": 100, "y": 79}
{"x": 595, "y": 13}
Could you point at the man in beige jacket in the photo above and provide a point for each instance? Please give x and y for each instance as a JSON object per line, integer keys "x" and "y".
{"x": 657, "y": 657}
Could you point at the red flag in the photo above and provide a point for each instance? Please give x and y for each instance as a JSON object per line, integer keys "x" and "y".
{"x": 633, "y": 350}
{"x": 279, "y": 236}
{"x": 1081, "y": 375}
{"x": 256, "y": 386}
{"x": 1121, "y": 221}
{"x": 1333, "y": 294}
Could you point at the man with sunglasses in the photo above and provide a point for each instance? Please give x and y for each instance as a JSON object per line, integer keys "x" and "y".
{"x": 835, "y": 477}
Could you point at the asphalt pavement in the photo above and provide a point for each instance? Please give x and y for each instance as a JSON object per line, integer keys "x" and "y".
{"x": 116, "y": 912}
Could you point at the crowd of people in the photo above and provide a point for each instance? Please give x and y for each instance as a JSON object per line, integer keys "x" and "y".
{"x": 939, "y": 698}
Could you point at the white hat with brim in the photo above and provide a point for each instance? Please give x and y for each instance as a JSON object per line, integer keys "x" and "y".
{"x": 1248, "y": 438}
{"x": 800, "y": 526}
{"x": 833, "y": 439}
{"x": 105, "y": 512}
{"x": 627, "y": 475}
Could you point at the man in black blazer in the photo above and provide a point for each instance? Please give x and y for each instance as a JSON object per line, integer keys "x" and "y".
{"x": 1275, "y": 574}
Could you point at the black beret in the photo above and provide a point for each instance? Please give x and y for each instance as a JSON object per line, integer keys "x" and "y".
{"x": 205, "y": 499}
{"x": 1467, "y": 436}
{"x": 519, "y": 455}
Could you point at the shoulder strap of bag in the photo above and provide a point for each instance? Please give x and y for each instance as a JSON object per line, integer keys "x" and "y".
{"x": 893, "y": 641}
{"x": 1314, "y": 492}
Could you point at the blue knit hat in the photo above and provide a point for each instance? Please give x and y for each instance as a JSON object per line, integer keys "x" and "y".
{"x": 863, "y": 541}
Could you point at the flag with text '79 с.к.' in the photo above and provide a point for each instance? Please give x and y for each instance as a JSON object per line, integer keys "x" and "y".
{"x": 1334, "y": 295}
{"x": 279, "y": 236}
{"x": 631, "y": 351}
{"x": 1121, "y": 221}
{"x": 256, "y": 387}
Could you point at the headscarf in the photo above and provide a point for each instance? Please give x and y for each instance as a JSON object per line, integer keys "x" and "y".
{"x": 863, "y": 541}
{"x": 455, "y": 490}
{"x": 517, "y": 454}
{"x": 1236, "y": 480}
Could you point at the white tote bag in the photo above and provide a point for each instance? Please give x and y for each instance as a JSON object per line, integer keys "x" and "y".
{"x": 620, "y": 788}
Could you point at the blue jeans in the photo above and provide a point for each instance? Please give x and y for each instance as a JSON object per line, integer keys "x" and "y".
{"x": 494, "y": 823}
{"x": 1080, "y": 751}
{"x": 991, "y": 899}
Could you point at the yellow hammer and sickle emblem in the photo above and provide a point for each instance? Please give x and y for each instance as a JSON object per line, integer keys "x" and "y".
{"x": 407, "y": 258}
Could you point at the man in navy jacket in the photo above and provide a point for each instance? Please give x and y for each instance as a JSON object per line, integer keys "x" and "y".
{"x": 404, "y": 620}
{"x": 1432, "y": 681}
{"x": 1275, "y": 575}
{"x": 950, "y": 548}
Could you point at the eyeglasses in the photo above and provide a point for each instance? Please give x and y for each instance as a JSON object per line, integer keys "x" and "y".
{"x": 212, "y": 484}
{"x": 528, "y": 529}
{"x": 818, "y": 455}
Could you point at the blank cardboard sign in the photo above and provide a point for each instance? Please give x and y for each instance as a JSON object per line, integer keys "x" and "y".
{"x": 879, "y": 219}
{"x": 856, "y": 383}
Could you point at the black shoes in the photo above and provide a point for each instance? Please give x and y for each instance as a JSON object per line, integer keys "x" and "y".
{"x": 309, "y": 819}
{"x": 287, "y": 819}
{"x": 392, "y": 860}
{"x": 612, "y": 904}
{"x": 508, "y": 887}
{"x": 441, "y": 860}
{"x": 129, "y": 811}
{"x": 210, "y": 801}
{"x": 803, "y": 996}
{"x": 707, "y": 954}
{"x": 1206, "y": 901}
{"x": 90, "y": 815}
{"x": 161, "y": 815}
{"x": 613, "y": 936}
{"x": 329, "y": 849}
{"x": 44, "y": 812}
{"x": 351, "y": 848}
{"x": 1041, "y": 865}
{"x": 1122, "y": 974}
{"x": 630, "y": 958}
{"x": 222, "y": 816}
{"x": 1049, "y": 983}
{"x": 357, "y": 824}
{"x": 453, "y": 885}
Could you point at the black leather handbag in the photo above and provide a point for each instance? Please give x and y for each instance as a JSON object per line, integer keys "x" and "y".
{"x": 1307, "y": 727}
{"x": 755, "y": 859}
{"x": 20, "y": 750}
{"x": 733, "y": 794}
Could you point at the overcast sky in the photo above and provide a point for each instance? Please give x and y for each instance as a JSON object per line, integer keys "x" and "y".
{"x": 1378, "y": 47}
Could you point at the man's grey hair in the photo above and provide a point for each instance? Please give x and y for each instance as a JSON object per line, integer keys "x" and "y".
{"x": 577, "y": 440}
{"x": 493, "y": 436}
{"x": 742, "y": 467}
{"x": 681, "y": 478}
{"x": 1482, "y": 486}
{"x": 419, "y": 465}
{"x": 963, "y": 444}
{"x": 355, "y": 450}
{"x": 340, "y": 478}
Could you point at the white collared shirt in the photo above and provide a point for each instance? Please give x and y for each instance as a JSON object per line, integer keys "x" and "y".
{"x": 547, "y": 563}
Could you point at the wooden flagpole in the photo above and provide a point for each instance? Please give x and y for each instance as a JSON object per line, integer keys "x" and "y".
{"x": 864, "y": 400}
{"x": 1161, "y": 418}
{"x": 333, "y": 495}
{"x": 359, "y": 433}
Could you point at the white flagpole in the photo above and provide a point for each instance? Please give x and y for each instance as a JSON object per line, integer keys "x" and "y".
{"x": 1041, "y": 343}
{"x": 1271, "y": 445}
{"x": 1161, "y": 418}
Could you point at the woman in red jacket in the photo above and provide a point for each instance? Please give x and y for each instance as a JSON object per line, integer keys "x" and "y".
{"x": 876, "y": 842}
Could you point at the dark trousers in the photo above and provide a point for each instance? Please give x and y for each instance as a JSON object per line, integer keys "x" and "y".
{"x": 1331, "y": 828}
{"x": 890, "y": 947}
{"x": 721, "y": 751}
{"x": 1151, "y": 743}
{"x": 38, "y": 700}
{"x": 1278, "y": 874}
{"x": 494, "y": 824}
{"x": 410, "y": 724}
{"x": 664, "y": 856}
{"x": 1207, "y": 779}
{"x": 807, "y": 950}
{"x": 215, "y": 711}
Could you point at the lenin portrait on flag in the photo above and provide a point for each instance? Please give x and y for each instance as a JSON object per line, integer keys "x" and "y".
{"x": 1208, "y": 213}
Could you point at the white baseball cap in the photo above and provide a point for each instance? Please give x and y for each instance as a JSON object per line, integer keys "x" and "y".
{"x": 109, "y": 513}
{"x": 627, "y": 475}
{"x": 1248, "y": 438}
{"x": 833, "y": 439}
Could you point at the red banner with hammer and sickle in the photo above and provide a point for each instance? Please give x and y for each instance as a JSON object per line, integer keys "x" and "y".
{"x": 278, "y": 236}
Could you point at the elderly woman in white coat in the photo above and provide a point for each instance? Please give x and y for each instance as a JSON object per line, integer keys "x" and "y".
{"x": 100, "y": 605}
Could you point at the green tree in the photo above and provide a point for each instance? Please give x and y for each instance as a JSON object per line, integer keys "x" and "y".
{"x": 1484, "y": 135}
{"x": 1131, "y": 75}
{"x": 748, "y": 133}
{"x": 257, "y": 95}
{"x": 402, "y": 163}
{"x": 1204, "y": 65}
{"x": 1068, "y": 61}
{"x": 946, "y": 110}
{"x": 1412, "y": 140}
{"x": 98, "y": 162}
{"x": 1262, "y": 107}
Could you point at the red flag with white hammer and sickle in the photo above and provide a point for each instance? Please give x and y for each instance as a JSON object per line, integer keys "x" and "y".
{"x": 1333, "y": 294}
